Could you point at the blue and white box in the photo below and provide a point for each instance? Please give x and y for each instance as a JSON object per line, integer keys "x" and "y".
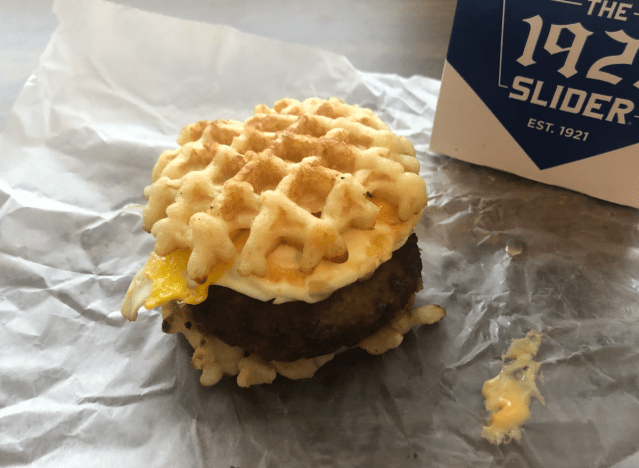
{"x": 547, "y": 90}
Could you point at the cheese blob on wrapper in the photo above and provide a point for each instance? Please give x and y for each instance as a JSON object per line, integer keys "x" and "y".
{"x": 508, "y": 395}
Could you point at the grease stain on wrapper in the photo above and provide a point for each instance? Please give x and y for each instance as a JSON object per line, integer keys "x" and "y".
{"x": 515, "y": 247}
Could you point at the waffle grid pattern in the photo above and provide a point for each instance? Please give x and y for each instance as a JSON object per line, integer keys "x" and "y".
{"x": 301, "y": 174}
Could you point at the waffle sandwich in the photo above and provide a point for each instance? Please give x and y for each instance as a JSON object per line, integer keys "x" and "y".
{"x": 284, "y": 239}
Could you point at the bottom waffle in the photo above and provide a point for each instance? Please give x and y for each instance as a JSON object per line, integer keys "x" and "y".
{"x": 216, "y": 359}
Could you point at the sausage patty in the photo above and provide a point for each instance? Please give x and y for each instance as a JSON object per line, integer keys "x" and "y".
{"x": 295, "y": 330}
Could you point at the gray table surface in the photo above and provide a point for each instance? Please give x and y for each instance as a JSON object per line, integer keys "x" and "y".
{"x": 407, "y": 37}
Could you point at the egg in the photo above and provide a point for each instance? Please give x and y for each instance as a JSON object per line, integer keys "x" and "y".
{"x": 170, "y": 281}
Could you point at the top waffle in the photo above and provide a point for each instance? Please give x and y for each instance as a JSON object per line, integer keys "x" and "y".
{"x": 299, "y": 200}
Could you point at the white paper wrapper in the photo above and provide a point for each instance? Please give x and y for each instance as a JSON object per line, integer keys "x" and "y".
{"x": 80, "y": 386}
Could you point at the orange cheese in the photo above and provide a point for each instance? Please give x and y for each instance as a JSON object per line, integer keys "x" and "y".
{"x": 277, "y": 273}
{"x": 387, "y": 214}
{"x": 377, "y": 245}
{"x": 170, "y": 280}
{"x": 508, "y": 395}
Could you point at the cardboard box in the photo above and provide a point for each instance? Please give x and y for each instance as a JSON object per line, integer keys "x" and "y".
{"x": 545, "y": 89}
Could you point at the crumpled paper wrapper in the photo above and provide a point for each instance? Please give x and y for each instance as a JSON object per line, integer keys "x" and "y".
{"x": 80, "y": 386}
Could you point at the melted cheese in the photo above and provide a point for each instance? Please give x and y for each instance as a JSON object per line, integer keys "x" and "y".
{"x": 387, "y": 214}
{"x": 282, "y": 267}
{"x": 508, "y": 395}
{"x": 367, "y": 249}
